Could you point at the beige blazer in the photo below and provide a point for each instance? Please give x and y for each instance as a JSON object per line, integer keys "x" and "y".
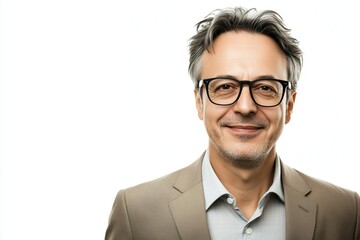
{"x": 173, "y": 207}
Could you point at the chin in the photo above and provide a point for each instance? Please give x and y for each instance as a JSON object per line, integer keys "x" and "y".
{"x": 245, "y": 158}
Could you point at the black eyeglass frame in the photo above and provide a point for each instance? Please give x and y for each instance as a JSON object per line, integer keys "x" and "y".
{"x": 284, "y": 83}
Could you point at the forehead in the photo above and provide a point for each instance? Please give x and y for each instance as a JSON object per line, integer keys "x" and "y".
{"x": 244, "y": 55}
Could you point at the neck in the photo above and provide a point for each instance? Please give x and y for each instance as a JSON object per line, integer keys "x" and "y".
{"x": 247, "y": 185}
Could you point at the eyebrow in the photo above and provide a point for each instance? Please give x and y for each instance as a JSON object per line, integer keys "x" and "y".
{"x": 266, "y": 77}
{"x": 257, "y": 78}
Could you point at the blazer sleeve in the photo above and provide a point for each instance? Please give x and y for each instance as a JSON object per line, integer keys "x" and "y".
{"x": 357, "y": 225}
{"x": 119, "y": 224}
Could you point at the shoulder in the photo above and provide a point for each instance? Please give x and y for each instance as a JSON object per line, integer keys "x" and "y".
{"x": 166, "y": 187}
{"x": 338, "y": 209}
{"x": 158, "y": 187}
{"x": 140, "y": 211}
{"x": 327, "y": 191}
{"x": 324, "y": 193}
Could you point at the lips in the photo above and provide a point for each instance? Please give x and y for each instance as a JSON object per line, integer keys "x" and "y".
{"x": 248, "y": 130}
{"x": 245, "y": 127}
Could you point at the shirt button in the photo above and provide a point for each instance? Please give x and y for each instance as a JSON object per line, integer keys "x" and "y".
{"x": 248, "y": 231}
{"x": 230, "y": 200}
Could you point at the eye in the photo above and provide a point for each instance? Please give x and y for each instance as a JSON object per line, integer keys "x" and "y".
{"x": 224, "y": 87}
{"x": 266, "y": 88}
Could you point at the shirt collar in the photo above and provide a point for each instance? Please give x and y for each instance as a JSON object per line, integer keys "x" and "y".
{"x": 214, "y": 189}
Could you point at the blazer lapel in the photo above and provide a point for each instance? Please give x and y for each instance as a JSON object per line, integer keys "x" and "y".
{"x": 300, "y": 211}
{"x": 189, "y": 213}
{"x": 188, "y": 209}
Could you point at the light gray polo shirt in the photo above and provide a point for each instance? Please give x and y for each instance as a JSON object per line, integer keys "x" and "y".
{"x": 225, "y": 220}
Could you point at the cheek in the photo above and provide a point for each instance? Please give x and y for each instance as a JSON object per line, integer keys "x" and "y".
{"x": 276, "y": 118}
{"x": 212, "y": 114}
{"x": 207, "y": 113}
{"x": 280, "y": 120}
{"x": 199, "y": 106}
{"x": 280, "y": 116}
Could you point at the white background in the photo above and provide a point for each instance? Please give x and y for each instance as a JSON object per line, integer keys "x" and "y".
{"x": 95, "y": 97}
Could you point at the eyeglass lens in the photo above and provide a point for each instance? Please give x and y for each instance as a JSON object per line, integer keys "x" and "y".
{"x": 263, "y": 92}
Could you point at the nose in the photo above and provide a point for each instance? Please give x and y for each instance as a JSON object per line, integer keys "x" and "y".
{"x": 245, "y": 105}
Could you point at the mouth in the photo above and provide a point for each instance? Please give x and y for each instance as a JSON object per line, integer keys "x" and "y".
{"x": 245, "y": 129}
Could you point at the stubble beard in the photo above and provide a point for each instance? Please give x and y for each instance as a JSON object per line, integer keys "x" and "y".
{"x": 252, "y": 159}
{"x": 245, "y": 158}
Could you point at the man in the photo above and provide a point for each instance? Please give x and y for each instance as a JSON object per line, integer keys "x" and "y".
{"x": 245, "y": 67}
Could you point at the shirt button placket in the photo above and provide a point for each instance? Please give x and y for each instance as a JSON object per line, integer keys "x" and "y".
{"x": 230, "y": 200}
{"x": 247, "y": 233}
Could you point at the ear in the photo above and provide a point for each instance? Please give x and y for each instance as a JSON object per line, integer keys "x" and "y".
{"x": 290, "y": 105}
{"x": 199, "y": 103}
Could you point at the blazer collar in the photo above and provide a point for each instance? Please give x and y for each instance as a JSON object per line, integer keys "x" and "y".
{"x": 188, "y": 209}
{"x": 192, "y": 223}
{"x": 300, "y": 211}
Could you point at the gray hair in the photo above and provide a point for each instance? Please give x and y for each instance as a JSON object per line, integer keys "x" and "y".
{"x": 267, "y": 22}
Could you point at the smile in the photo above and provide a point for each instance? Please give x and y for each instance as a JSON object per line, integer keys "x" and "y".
{"x": 248, "y": 130}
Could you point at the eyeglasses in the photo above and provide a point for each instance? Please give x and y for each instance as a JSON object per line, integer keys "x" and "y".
{"x": 226, "y": 91}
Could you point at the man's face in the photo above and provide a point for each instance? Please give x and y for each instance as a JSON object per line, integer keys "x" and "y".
{"x": 244, "y": 133}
